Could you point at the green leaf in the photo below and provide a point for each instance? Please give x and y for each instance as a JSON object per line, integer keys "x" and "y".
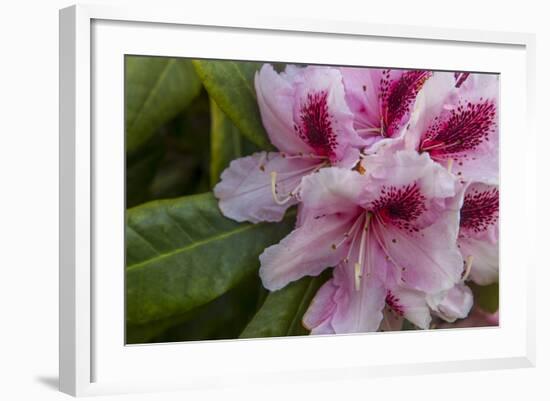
{"x": 282, "y": 312}
{"x": 156, "y": 89}
{"x": 141, "y": 168}
{"x": 231, "y": 85}
{"x": 226, "y": 143}
{"x": 223, "y": 318}
{"x": 486, "y": 296}
{"x": 145, "y": 333}
{"x": 183, "y": 253}
{"x": 184, "y": 168}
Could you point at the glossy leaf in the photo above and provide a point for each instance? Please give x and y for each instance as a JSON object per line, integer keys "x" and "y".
{"x": 486, "y": 296}
{"x": 223, "y": 318}
{"x": 156, "y": 89}
{"x": 282, "y": 312}
{"x": 182, "y": 253}
{"x": 184, "y": 168}
{"x": 146, "y": 333}
{"x": 141, "y": 168}
{"x": 226, "y": 141}
{"x": 231, "y": 85}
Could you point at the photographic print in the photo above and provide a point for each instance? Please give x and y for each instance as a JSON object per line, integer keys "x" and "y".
{"x": 270, "y": 199}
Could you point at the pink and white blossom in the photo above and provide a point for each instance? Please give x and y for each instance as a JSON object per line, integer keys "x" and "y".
{"x": 478, "y": 234}
{"x": 395, "y": 174}
{"x": 307, "y": 119}
{"x": 452, "y": 304}
{"x": 458, "y": 124}
{"x": 476, "y": 318}
{"x": 382, "y": 100}
{"x": 390, "y": 233}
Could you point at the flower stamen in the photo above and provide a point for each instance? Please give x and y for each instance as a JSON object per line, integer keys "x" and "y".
{"x": 304, "y": 156}
{"x": 289, "y": 175}
{"x": 359, "y": 263}
{"x": 385, "y": 249}
{"x": 357, "y": 276}
{"x": 376, "y": 130}
{"x": 353, "y": 238}
{"x": 274, "y": 191}
{"x": 449, "y": 165}
{"x": 468, "y": 268}
{"x": 347, "y": 234}
{"x": 438, "y": 146}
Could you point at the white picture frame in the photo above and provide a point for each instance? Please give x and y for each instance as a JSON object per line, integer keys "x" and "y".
{"x": 92, "y": 352}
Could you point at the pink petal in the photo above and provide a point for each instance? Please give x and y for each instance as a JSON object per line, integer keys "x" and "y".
{"x": 304, "y": 111}
{"x": 306, "y": 251}
{"x": 479, "y": 212}
{"x": 360, "y": 310}
{"x": 382, "y": 99}
{"x": 453, "y": 304}
{"x": 472, "y": 140}
{"x": 479, "y": 231}
{"x": 323, "y": 328}
{"x": 431, "y": 102}
{"x": 317, "y": 317}
{"x": 349, "y": 159}
{"x": 480, "y": 85}
{"x": 428, "y": 260}
{"x": 477, "y": 318}
{"x": 362, "y": 87}
{"x": 320, "y": 99}
{"x": 412, "y": 306}
{"x": 275, "y": 93}
{"x": 244, "y": 191}
{"x": 485, "y": 260}
{"x": 331, "y": 190}
{"x": 405, "y": 168}
{"x": 391, "y": 321}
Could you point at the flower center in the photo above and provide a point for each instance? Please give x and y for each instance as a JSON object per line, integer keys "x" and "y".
{"x": 397, "y": 97}
{"x": 315, "y": 126}
{"x": 465, "y": 129}
{"x": 400, "y": 206}
{"x": 479, "y": 210}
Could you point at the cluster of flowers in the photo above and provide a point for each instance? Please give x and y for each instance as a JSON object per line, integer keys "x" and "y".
{"x": 395, "y": 174}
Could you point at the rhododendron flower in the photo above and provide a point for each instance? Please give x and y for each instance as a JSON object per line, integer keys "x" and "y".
{"x": 448, "y": 305}
{"x": 478, "y": 234}
{"x": 458, "y": 124}
{"x": 382, "y": 100}
{"x": 452, "y": 304}
{"x": 476, "y": 318}
{"x": 307, "y": 119}
{"x": 391, "y": 233}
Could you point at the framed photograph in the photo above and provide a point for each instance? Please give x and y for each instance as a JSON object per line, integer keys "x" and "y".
{"x": 295, "y": 204}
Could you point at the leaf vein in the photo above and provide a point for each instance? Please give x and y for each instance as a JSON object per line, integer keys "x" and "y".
{"x": 154, "y": 90}
{"x": 189, "y": 247}
{"x": 243, "y": 77}
{"x": 144, "y": 239}
{"x": 178, "y": 224}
